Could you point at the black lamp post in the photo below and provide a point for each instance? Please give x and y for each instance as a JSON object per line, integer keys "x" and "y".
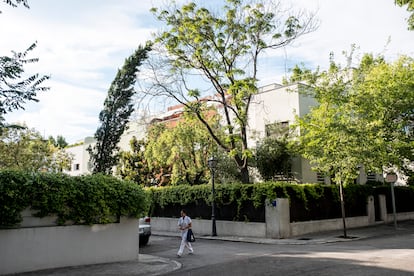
{"x": 212, "y": 164}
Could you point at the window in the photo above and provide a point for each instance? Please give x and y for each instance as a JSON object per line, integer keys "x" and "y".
{"x": 320, "y": 178}
{"x": 76, "y": 167}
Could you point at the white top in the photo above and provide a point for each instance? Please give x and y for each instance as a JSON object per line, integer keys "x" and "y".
{"x": 183, "y": 222}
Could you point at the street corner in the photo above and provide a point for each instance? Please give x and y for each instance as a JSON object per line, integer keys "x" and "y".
{"x": 154, "y": 265}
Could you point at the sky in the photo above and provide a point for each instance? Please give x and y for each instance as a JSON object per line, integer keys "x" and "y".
{"x": 81, "y": 45}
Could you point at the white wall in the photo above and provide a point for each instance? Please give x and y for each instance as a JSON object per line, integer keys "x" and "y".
{"x": 272, "y": 104}
{"x": 135, "y": 128}
{"x": 204, "y": 227}
{"x": 36, "y": 248}
{"x": 81, "y": 157}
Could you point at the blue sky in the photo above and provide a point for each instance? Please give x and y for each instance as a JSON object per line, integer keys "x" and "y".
{"x": 81, "y": 44}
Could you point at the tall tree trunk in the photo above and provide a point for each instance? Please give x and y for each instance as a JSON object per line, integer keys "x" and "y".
{"x": 244, "y": 172}
{"x": 341, "y": 194}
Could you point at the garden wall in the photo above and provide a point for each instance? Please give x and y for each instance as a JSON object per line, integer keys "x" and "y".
{"x": 277, "y": 224}
{"x": 37, "y": 248}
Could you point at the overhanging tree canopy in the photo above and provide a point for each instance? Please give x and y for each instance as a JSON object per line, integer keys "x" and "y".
{"x": 15, "y": 88}
{"x": 365, "y": 117}
{"x": 222, "y": 48}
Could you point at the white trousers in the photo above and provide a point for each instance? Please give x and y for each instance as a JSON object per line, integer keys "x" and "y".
{"x": 184, "y": 244}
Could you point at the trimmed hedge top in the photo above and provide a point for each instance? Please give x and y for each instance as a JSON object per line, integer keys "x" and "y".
{"x": 245, "y": 202}
{"x": 87, "y": 199}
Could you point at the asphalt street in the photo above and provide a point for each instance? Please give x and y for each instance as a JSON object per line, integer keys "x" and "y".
{"x": 376, "y": 250}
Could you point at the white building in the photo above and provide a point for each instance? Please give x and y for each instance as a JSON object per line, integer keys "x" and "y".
{"x": 80, "y": 164}
{"x": 274, "y": 104}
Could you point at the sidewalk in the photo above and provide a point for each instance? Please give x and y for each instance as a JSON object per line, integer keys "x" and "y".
{"x": 318, "y": 238}
{"x": 153, "y": 265}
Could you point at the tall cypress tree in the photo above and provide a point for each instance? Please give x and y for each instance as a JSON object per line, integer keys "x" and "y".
{"x": 115, "y": 115}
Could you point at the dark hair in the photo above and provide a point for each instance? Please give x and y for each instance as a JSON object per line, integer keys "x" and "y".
{"x": 184, "y": 211}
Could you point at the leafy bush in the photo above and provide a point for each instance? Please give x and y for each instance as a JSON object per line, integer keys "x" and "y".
{"x": 14, "y": 196}
{"x": 245, "y": 202}
{"x": 85, "y": 199}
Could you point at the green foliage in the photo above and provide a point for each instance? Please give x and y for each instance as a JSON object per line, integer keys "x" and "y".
{"x": 309, "y": 197}
{"x": 115, "y": 115}
{"x": 410, "y": 8}
{"x": 223, "y": 48}
{"x": 133, "y": 165}
{"x": 299, "y": 73}
{"x": 15, "y": 88}
{"x": 25, "y": 149}
{"x": 80, "y": 200}
{"x": 14, "y": 196}
{"x": 384, "y": 96}
{"x": 180, "y": 151}
{"x": 59, "y": 142}
{"x": 364, "y": 117}
{"x": 274, "y": 158}
{"x": 227, "y": 170}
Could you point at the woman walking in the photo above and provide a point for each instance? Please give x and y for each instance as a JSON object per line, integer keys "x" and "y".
{"x": 184, "y": 223}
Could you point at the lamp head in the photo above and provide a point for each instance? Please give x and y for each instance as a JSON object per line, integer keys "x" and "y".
{"x": 212, "y": 162}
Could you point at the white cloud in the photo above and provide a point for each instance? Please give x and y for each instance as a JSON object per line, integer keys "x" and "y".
{"x": 368, "y": 24}
{"x": 65, "y": 110}
{"x": 81, "y": 44}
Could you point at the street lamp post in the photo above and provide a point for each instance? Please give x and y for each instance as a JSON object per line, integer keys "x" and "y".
{"x": 212, "y": 164}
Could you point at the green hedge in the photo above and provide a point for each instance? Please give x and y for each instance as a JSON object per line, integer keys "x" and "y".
{"x": 245, "y": 202}
{"x": 85, "y": 199}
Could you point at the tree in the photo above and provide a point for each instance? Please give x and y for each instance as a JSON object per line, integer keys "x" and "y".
{"x": 59, "y": 142}
{"x": 299, "y": 73}
{"x": 363, "y": 118}
{"x": 180, "y": 151}
{"x": 25, "y": 149}
{"x": 330, "y": 134}
{"x": 15, "y": 89}
{"x": 115, "y": 115}
{"x": 224, "y": 49}
{"x": 133, "y": 165}
{"x": 385, "y": 96}
{"x": 410, "y": 8}
{"x": 15, "y": 3}
{"x": 273, "y": 158}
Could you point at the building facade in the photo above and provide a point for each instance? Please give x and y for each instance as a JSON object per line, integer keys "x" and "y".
{"x": 273, "y": 104}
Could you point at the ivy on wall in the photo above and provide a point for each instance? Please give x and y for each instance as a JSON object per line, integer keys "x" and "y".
{"x": 307, "y": 201}
{"x": 87, "y": 199}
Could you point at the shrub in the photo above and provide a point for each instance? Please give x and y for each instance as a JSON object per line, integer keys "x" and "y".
{"x": 245, "y": 202}
{"x": 87, "y": 199}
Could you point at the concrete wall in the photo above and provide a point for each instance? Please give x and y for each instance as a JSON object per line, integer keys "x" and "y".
{"x": 36, "y": 248}
{"x": 315, "y": 226}
{"x": 204, "y": 227}
{"x": 278, "y": 225}
{"x": 277, "y": 215}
